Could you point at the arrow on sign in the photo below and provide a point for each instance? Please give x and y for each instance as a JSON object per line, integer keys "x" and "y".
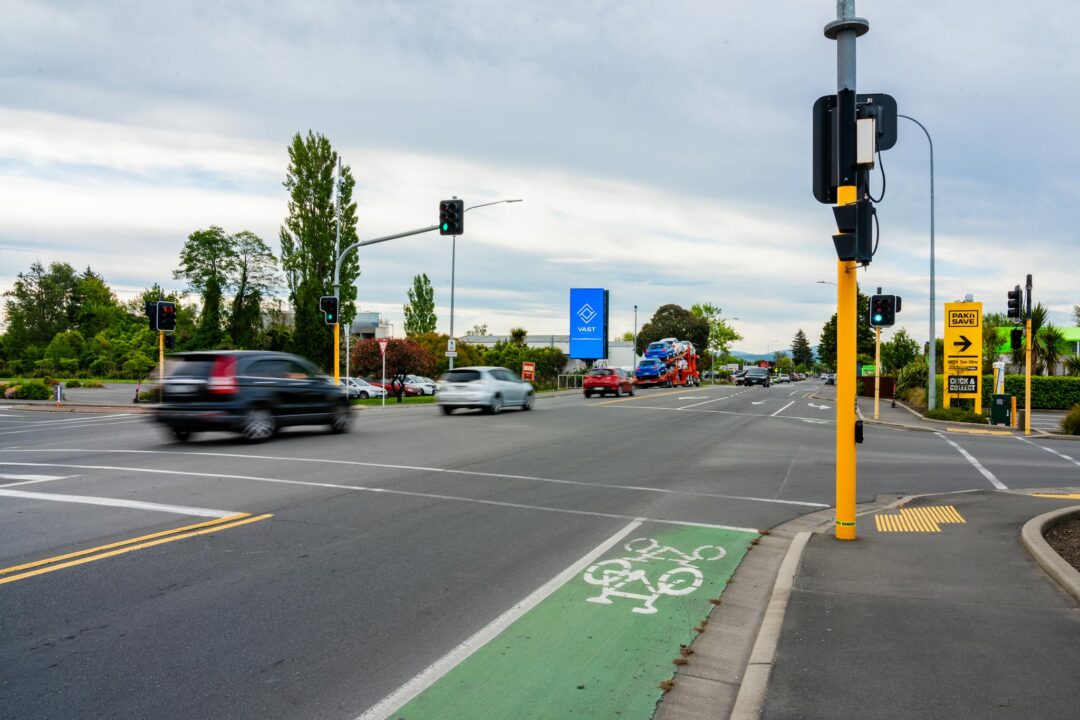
{"x": 820, "y": 407}
{"x": 963, "y": 343}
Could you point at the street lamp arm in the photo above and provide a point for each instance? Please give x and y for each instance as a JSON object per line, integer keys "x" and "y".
{"x": 497, "y": 202}
{"x": 363, "y": 243}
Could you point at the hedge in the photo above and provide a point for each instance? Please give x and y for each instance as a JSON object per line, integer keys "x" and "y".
{"x": 1047, "y": 393}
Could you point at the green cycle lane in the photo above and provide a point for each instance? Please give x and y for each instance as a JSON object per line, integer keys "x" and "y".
{"x": 600, "y": 645}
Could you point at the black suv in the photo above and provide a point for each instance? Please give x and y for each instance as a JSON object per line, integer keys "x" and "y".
{"x": 250, "y": 392}
{"x": 756, "y": 376}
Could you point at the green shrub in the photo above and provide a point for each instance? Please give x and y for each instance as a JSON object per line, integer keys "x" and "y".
{"x": 955, "y": 414}
{"x": 1047, "y": 393}
{"x": 72, "y": 384}
{"x": 1070, "y": 424}
{"x": 915, "y": 396}
{"x": 911, "y": 376}
{"x": 33, "y": 390}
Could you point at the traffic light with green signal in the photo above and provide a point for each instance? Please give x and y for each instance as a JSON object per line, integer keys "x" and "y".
{"x": 883, "y": 309}
{"x": 329, "y": 306}
{"x": 452, "y": 217}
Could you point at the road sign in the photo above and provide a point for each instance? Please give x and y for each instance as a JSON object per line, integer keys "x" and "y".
{"x": 451, "y": 353}
{"x": 963, "y": 352}
{"x": 382, "y": 345}
{"x": 866, "y": 370}
{"x": 451, "y": 345}
{"x": 528, "y": 370}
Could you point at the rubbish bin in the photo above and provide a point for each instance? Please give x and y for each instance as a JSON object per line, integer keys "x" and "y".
{"x": 1001, "y": 410}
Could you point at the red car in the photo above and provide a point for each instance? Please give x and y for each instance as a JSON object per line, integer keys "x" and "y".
{"x": 390, "y": 386}
{"x": 608, "y": 380}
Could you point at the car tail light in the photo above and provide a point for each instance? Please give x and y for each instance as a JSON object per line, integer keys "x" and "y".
{"x": 222, "y": 380}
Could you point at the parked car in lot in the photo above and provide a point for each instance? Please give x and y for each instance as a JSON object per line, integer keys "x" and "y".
{"x": 389, "y": 384}
{"x": 487, "y": 388}
{"x": 601, "y": 381}
{"x": 425, "y": 386}
{"x": 359, "y": 388}
{"x": 661, "y": 350}
{"x": 783, "y": 378}
{"x": 757, "y": 376}
{"x": 251, "y": 392}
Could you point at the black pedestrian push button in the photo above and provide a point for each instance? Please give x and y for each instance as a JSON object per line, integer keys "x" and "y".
{"x": 858, "y": 431}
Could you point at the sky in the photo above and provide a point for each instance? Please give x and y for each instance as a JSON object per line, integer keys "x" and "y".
{"x": 663, "y": 151}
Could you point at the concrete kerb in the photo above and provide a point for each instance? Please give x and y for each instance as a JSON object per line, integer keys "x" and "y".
{"x": 50, "y": 406}
{"x": 1055, "y": 566}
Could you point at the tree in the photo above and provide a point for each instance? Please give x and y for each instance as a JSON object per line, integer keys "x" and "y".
{"x": 627, "y": 336}
{"x": 307, "y": 243}
{"x": 478, "y": 329}
{"x": 403, "y": 357}
{"x": 991, "y": 340}
{"x": 673, "y": 321}
{"x": 549, "y": 361}
{"x": 899, "y": 352}
{"x": 40, "y": 304}
{"x": 206, "y": 261}
{"x": 864, "y": 334}
{"x": 254, "y": 276}
{"x": 420, "y": 310}
{"x": 827, "y": 344}
{"x": 96, "y": 307}
{"x": 435, "y": 344}
{"x": 517, "y": 336}
{"x": 801, "y": 354}
{"x": 1046, "y": 348}
{"x": 721, "y": 335}
{"x": 1076, "y": 314}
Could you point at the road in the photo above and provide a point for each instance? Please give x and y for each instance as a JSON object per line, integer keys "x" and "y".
{"x": 318, "y": 575}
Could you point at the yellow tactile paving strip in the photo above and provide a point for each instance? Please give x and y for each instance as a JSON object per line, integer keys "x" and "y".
{"x": 1059, "y": 496}
{"x": 919, "y": 520}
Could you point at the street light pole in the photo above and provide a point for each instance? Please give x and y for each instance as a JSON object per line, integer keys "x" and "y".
{"x": 453, "y": 264}
{"x": 635, "y": 339}
{"x": 931, "y": 382}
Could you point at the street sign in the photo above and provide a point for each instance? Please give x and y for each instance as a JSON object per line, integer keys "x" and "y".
{"x": 451, "y": 345}
{"x": 528, "y": 370}
{"x": 451, "y": 353}
{"x": 866, "y": 370}
{"x": 963, "y": 352}
{"x": 382, "y": 345}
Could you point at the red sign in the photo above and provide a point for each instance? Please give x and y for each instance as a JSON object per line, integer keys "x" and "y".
{"x": 382, "y": 345}
{"x": 528, "y": 370}
{"x": 763, "y": 363}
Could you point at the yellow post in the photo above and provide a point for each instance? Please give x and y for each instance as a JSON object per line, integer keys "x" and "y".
{"x": 1015, "y": 420}
{"x": 161, "y": 360}
{"x": 1027, "y": 375}
{"x": 337, "y": 353}
{"x": 846, "y": 304}
{"x": 877, "y": 370}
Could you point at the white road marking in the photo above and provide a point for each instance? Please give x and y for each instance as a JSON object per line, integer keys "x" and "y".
{"x": 448, "y": 471}
{"x": 706, "y": 402}
{"x": 69, "y": 427}
{"x": 116, "y": 502}
{"x": 757, "y": 402}
{"x": 692, "y": 397}
{"x": 783, "y": 409}
{"x": 1050, "y": 450}
{"x": 386, "y": 707}
{"x": 978, "y": 466}
{"x": 85, "y": 418}
{"x": 410, "y": 493}
{"x": 820, "y": 407}
{"x": 30, "y": 479}
{"x": 812, "y": 421}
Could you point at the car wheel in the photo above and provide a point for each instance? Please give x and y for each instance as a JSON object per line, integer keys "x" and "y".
{"x": 529, "y": 400}
{"x": 181, "y": 435}
{"x": 446, "y": 409}
{"x": 342, "y": 420}
{"x": 258, "y": 425}
{"x": 618, "y": 391}
{"x": 630, "y": 391}
{"x": 363, "y": 395}
{"x": 588, "y": 393}
{"x": 496, "y": 405}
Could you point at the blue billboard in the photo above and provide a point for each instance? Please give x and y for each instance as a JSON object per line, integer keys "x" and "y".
{"x": 588, "y": 323}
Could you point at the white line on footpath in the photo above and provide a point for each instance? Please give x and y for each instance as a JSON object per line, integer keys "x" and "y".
{"x": 116, "y": 502}
{"x": 978, "y": 466}
{"x": 783, "y": 409}
{"x": 385, "y": 707}
{"x": 1050, "y": 450}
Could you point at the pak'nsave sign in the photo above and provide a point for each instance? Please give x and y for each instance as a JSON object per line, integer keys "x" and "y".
{"x": 588, "y": 323}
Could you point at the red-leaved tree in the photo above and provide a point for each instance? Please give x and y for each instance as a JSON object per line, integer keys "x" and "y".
{"x": 403, "y": 357}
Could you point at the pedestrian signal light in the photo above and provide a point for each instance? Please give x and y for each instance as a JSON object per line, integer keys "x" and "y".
{"x": 452, "y": 217}
{"x": 1016, "y": 304}
{"x": 328, "y": 304}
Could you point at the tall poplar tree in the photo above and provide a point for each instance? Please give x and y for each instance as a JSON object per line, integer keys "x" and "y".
{"x": 307, "y": 243}
{"x": 420, "y": 310}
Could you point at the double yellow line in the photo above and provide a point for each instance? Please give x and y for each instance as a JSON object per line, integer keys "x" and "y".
{"x": 79, "y": 557}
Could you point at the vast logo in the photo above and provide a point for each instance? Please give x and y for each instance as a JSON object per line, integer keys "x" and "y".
{"x": 586, "y": 313}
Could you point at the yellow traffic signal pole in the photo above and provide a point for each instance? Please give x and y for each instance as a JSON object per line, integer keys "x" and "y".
{"x": 845, "y": 29}
{"x": 161, "y": 360}
{"x": 877, "y": 369}
{"x": 1027, "y": 374}
{"x": 337, "y": 351}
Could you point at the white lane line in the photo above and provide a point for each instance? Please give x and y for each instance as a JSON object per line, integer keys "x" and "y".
{"x": 427, "y": 677}
{"x": 85, "y": 418}
{"x": 692, "y": 397}
{"x": 30, "y": 479}
{"x": 385, "y": 466}
{"x": 811, "y": 421}
{"x": 693, "y": 405}
{"x": 69, "y": 427}
{"x": 1050, "y": 450}
{"x": 405, "y": 493}
{"x": 978, "y": 466}
{"x": 116, "y": 502}
{"x": 783, "y": 409}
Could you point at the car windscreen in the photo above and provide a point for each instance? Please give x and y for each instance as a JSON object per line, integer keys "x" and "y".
{"x": 656, "y": 346}
{"x": 600, "y": 373}
{"x": 461, "y": 376}
{"x": 191, "y": 366}
{"x": 757, "y": 372}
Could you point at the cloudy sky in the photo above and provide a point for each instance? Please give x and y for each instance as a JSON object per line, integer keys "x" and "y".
{"x": 663, "y": 150}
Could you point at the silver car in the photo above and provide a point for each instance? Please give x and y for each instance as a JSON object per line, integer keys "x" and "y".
{"x": 360, "y": 388}
{"x": 488, "y": 388}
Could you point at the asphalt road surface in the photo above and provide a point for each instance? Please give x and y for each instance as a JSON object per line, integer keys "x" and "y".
{"x": 317, "y": 575}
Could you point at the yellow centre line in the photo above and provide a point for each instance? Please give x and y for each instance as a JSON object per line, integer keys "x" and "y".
{"x": 160, "y": 538}
{"x": 682, "y": 391}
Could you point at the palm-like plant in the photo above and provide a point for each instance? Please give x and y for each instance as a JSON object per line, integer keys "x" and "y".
{"x": 1072, "y": 365}
{"x": 1048, "y": 348}
{"x": 1038, "y": 321}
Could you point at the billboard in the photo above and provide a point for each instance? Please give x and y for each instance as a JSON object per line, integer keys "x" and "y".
{"x": 588, "y": 323}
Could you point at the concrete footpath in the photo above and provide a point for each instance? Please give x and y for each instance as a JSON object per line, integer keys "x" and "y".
{"x": 937, "y": 610}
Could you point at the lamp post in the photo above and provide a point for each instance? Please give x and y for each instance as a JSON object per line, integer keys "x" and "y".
{"x": 635, "y": 340}
{"x": 826, "y": 282}
{"x": 453, "y": 263}
{"x": 931, "y": 381}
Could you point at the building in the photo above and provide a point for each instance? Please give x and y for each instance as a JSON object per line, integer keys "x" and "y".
{"x": 621, "y": 352}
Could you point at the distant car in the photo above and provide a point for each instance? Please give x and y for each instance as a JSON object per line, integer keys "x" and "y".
{"x": 488, "y": 388}
{"x": 358, "y": 388}
{"x": 659, "y": 350}
{"x": 650, "y": 369}
{"x": 737, "y": 377}
{"x": 601, "y": 381}
{"x": 425, "y": 386}
{"x": 389, "y": 385}
{"x": 757, "y": 376}
{"x": 830, "y": 379}
{"x": 250, "y": 392}
{"x": 783, "y": 378}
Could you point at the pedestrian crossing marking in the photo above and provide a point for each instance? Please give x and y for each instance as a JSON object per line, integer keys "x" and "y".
{"x": 923, "y": 519}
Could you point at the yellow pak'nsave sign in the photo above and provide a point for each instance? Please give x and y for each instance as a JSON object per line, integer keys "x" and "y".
{"x": 963, "y": 352}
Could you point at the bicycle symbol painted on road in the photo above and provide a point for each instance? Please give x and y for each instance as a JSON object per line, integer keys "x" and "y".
{"x": 626, "y": 577}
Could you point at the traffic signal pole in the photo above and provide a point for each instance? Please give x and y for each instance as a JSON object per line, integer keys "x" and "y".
{"x": 161, "y": 359}
{"x": 877, "y": 369}
{"x": 1027, "y": 360}
{"x": 844, "y": 30}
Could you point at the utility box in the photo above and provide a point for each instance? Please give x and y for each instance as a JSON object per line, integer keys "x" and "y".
{"x": 1001, "y": 410}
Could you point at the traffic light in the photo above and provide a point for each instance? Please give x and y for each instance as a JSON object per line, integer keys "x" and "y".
{"x": 855, "y": 241}
{"x": 1016, "y": 303}
{"x": 451, "y": 217}
{"x": 166, "y": 315}
{"x": 151, "y": 314}
{"x": 170, "y": 342}
{"x": 1016, "y": 339}
{"x": 883, "y": 309}
{"x": 329, "y": 306}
